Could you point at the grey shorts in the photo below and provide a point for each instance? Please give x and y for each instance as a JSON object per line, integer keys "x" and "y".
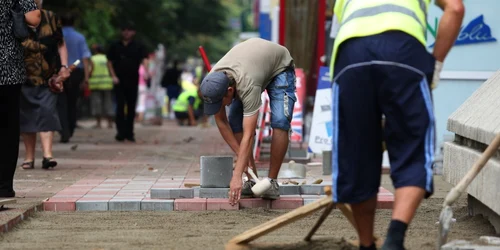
{"x": 102, "y": 102}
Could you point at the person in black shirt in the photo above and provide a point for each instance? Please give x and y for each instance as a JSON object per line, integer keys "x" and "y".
{"x": 124, "y": 59}
{"x": 170, "y": 82}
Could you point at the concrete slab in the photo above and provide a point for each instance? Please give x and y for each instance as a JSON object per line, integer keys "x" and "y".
{"x": 289, "y": 189}
{"x": 172, "y": 193}
{"x": 214, "y": 192}
{"x": 125, "y": 205}
{"x": 484, "y": 243}
{"x": 157, "y": 205}
{"x": 216, "y": 171}
{"x": 92, "y": 205}
{"x": 478, "y": 118}
{"x": 486, "y": 186}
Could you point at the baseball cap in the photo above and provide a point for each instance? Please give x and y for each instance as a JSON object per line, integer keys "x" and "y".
{"x": 213, "y": 89}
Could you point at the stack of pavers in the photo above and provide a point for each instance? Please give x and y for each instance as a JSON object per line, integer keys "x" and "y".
{"x": 212, "y": 194}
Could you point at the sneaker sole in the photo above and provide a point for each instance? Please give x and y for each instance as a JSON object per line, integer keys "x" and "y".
{"x": 270, "y": 197}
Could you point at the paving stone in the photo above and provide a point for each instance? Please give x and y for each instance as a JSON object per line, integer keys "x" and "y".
{"x": 255, "y": 203}
{"x": 60, "y": 204}
{"x": 196, "y": 191}
{"x": 195, "y": 204}
{"x": 289, "y": 190}
{"x": 312, "y": 189}
{"x": 287, "y": 203}
{"x": 216, "y": 171}
{"x": 221, "y": 204}
{"x": 214, "y": 193}
{"x": 172, "y": 193}
{"x": 92, "y": 205}
{"x": 157, "y": 205}
{"x": 125, "y": 204}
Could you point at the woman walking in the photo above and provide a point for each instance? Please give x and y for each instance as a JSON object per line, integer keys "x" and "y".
{"x": 45, "y": 56}
{"x": 12, "y": 75}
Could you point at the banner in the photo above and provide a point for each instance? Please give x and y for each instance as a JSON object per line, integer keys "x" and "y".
{"x": 298, "y": 111}
{"x": 320, "y": 138}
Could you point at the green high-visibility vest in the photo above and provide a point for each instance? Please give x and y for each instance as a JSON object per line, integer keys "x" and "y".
{"x": 182, "y": 102}
{"x": 359, "y": 18}
{"x": 100, "y": 78}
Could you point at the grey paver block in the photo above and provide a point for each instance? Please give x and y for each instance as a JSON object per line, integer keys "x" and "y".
{"x": 214, "y": 192}
{"x": 309, "y": 200}
{"x": 216, "y": 171}
{"x": 172, "y": 193}
{"x": 157, "y": 205}
{"x": 289, "y": 190}
{"x": 316, "y": 189}
{"x": 92, "y": 205}
{"x": 125, "y": 205}
{"x": 196, "y": 191}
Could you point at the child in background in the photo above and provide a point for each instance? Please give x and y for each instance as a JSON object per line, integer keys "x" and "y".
{"x": 101, "y": 87}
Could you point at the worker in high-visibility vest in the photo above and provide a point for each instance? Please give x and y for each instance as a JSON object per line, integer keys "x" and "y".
{"x": 380, "y": 66}
{"x": 101, "y": 87}
{"x": 187, "y": 107}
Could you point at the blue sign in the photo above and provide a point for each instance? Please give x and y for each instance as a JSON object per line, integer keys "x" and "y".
{"x": 477, "y": 31}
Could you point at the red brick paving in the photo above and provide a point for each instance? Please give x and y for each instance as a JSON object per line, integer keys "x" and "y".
{"x": 102, "y": 169}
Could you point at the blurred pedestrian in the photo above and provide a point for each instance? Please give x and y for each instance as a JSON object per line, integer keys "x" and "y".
{"x": 12, "y": 75}
{"x": 143, "y": 90}
{"x": 187, "y": 107}
{"x": 124, "y": 59}
{"x": 77, "y": 50}
{"x": 101, "y": 87}
{"x": 45, "y": 55}
{"x": 170, "y": 82}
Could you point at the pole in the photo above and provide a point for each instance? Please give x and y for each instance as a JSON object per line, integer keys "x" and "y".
{"x": 205, "y": 58}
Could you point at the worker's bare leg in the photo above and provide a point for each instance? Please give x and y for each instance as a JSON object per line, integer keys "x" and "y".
{"x": 279, "y": 146}
{"x": 364, "y": 215}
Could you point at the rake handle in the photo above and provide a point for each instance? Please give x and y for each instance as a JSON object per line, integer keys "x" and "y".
{"x": 474, "y": 171}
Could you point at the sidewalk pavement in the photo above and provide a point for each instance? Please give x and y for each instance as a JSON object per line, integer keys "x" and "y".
{"x": 94, "y": 167}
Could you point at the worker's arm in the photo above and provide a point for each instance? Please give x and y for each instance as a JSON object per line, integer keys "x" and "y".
{"x": 447, "y": 33}
{"x": 86, "y": 65}
{"x": 449, "y": 27}
{"x": 111, "y": 56}
{"x": 112, "y": 72}
{"x": 226, "y": 131}
{"x": 249, "y": 125}
{"x": 33, "y": 18}
{"x": 91, "y": 68}
{"x": 192, "y": 119}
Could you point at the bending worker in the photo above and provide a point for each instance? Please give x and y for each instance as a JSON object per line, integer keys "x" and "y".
{"x": 239, "y": 79}
{"x": 381, "y": 66}
{"x": 187, "y": 107}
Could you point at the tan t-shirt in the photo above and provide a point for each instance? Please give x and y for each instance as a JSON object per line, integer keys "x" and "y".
{"x": 253, "y": 64}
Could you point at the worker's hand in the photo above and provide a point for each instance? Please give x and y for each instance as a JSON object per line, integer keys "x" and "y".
{"x": 64, "y": 74}
{"x": 235, "y": 190}
{"x": 116, "y": 80}
{"x": 437, "y": 72}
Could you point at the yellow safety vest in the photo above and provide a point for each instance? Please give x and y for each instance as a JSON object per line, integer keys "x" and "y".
{"x": 182, "y": 102}
{"x": 100, "y": 78}
{"x": 359, "y": 18}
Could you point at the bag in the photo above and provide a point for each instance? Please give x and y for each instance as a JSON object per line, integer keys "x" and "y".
{"x": 20, "y": 28}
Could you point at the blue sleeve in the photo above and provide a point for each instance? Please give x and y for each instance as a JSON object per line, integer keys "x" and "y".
{"x": 84, "y": 49}
{"x": 191, "y": 100}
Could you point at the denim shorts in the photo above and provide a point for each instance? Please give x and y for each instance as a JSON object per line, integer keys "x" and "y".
{"x": 281, "y": 91}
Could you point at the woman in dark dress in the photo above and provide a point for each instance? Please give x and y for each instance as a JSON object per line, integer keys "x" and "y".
{"x": 45, "y": 55}
{"x": 12, "y": 75}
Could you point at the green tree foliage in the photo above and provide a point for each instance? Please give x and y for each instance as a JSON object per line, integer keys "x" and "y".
{"x": 157, "y": 21}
